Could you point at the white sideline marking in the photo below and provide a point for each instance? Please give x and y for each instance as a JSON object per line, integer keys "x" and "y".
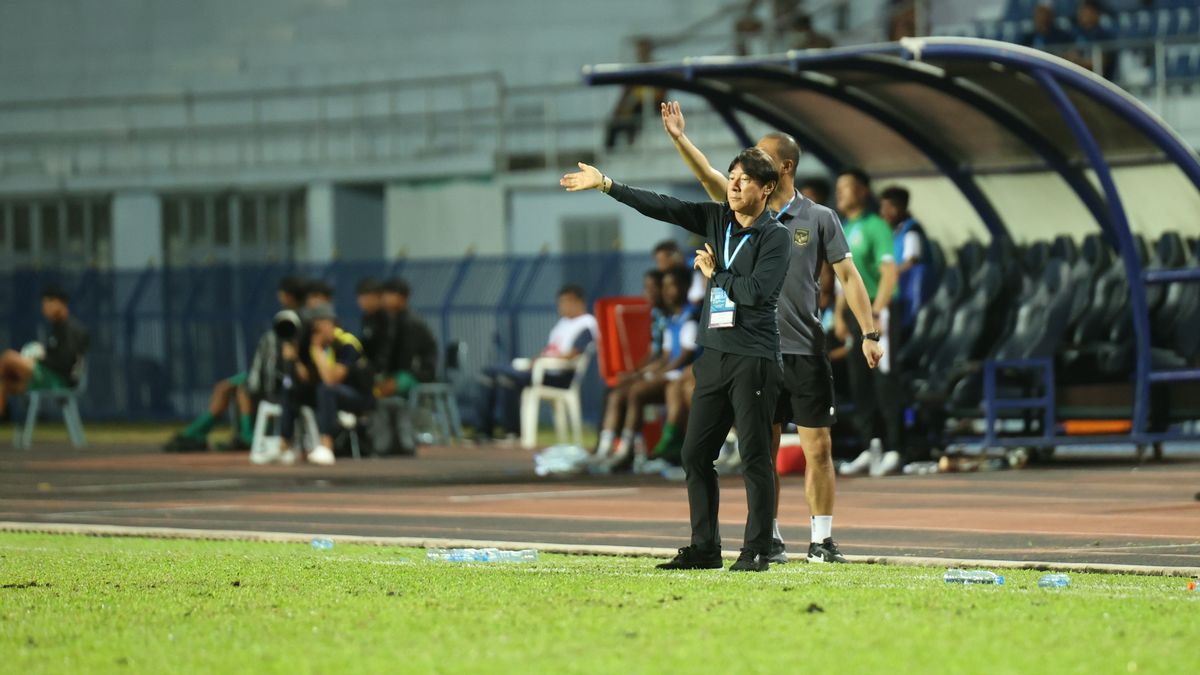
{"x": 548, "y": 494}
{"x": 572, "y": 549}
{"x": 142, "y": 487}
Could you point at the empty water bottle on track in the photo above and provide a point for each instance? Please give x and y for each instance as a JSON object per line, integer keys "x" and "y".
{"x": 481, "y": 555}
{"x": 1054, "y": 581}
{"x": 957, "y": 576}
{"x": 322, "y": 543}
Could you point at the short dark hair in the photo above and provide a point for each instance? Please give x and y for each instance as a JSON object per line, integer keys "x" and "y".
{"x": 293, "y": 286}
{"x": 682, "y": 276}
{"x": 896, "y": 195}
{"x": 571, "y": 289}
{"x": 319, "y": 287}
{"x": 818, "y": 186}
{"x": 1092, "y": 4}
{"x": 655, "y": 274}
{"x": 666, "y": 246}
{"x": 787, "y": 146}
{"x": 55, "y": 292}
{"x": 758, "y": 165}
{"x": 858, "y": 175}
{"x": 367, "y": 286}
{"x": 396, "y": 285}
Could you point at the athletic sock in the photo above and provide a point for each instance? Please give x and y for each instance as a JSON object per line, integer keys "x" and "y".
{"x": 606, "y": 441}
{"x": 775, "y": 533}
{"x": 822, "y": 528}
{"x": 627, "y": 437}
{"x": 668, "y": 435}
{"x": 199, "y": 429}
{"x": 246, "y": 427}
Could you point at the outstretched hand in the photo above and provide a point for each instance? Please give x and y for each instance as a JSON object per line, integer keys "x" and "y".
{"x": 706, "y": 261}
{"x": 672, "y": 119}
{"x": 587, "y": 177}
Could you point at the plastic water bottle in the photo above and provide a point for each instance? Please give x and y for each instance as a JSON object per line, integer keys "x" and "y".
{"x": 957, "y": 576}
{"x": 322, "y": 543}
{"x": 1191, "y": 585}
{"x": 481, "y": 555}
{"x": 1054, "y": 581}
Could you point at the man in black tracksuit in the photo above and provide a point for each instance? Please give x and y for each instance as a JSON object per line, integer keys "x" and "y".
{"x": 745, "y": 259}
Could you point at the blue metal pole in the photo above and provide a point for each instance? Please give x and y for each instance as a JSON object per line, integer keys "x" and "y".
{"x": 1133, "y": 266}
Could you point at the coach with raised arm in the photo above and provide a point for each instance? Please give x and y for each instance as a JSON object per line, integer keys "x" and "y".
{"x": 745, "y": 259}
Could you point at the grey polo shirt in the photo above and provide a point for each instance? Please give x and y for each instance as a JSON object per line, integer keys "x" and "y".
{"x": 816, "y": 234}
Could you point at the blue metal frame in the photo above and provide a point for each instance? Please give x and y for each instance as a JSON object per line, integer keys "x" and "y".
{"x": 1052, "y": 74}
{"x": 993, "y": 405}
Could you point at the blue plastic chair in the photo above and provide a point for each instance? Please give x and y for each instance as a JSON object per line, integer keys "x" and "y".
{"x": 67, "y": 399}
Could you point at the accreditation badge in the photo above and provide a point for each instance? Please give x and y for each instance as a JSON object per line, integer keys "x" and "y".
{"x": 721, "y": 308}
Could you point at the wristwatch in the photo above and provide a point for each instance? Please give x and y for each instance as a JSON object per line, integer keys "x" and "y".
{"x": 873, "y": 335}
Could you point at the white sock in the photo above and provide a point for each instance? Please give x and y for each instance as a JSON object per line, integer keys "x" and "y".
{"x": 606, "y": 441}
{"x": 627, "y": 441}
{"x": 775, "y": 530}
{"x": 822, "y": 528}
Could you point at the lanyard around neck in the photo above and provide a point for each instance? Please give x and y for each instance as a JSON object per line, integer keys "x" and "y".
{"x": 730, "y": 258}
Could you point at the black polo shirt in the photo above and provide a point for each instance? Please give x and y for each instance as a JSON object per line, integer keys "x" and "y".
{"x": 753, "y": 280}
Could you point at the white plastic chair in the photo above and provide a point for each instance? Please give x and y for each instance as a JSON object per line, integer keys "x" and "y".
{"x": 68, "y": 400}
{"x": 568, "y": 416}
{"x": 267, "y": 411}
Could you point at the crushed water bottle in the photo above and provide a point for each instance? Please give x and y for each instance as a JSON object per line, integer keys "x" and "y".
{"x": 322, "y": 543}
{"x": 957, "y": 576}
{"x": 481, "y": 555}
{"x": 1054, "y": 581}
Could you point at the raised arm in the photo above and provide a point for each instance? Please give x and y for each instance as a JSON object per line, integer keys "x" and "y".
{"x": 855, "y": 294}
{"x": 691, "y": 216}
{"x": 714, "y": 181}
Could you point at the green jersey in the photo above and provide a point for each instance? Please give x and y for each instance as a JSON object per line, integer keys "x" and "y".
{"x": 871, "y": 245}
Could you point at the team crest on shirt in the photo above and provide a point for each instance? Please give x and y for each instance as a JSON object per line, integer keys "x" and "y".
{"x": 800, "y": 236}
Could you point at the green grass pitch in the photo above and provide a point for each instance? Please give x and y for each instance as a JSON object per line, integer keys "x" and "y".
{"x": 86, "y": 605}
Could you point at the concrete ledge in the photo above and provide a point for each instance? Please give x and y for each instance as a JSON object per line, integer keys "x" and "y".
{"x": 571, "y": 549}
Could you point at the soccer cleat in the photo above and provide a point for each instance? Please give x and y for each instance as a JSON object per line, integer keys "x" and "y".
{"x": 692, "y": 558}
{"x": 750, "y": 561}
{"x": 778, "y": 553}
{"x": 181, "y": 443}
{"x": 321, "y": 455}
{"x": 887, "y": 465}
{"x": 857, "y": 465}
{"x": 825, "y": 552}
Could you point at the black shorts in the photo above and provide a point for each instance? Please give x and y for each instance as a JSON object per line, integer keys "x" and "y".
{"x": 806, "y": 395}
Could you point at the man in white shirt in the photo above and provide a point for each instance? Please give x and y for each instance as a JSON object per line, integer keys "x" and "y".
{"x": 502, "y": 384}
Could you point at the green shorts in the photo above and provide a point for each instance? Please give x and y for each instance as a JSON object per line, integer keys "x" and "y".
{"x": 238, "y": 380}
{"x": 45, "y": 379}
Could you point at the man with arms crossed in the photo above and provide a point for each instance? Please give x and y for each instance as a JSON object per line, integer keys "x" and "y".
{"x": 815, "y": 234}
{"x": 745, "y": 258}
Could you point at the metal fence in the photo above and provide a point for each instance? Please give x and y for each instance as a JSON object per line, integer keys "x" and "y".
{"x": 161, "y": 337}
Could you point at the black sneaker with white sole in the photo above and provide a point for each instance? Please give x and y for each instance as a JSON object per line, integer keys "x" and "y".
{"x": 750, "y": 561}
{"x": 778, "y": 552}
{"x": 692, "y": 558}
{"x": 825, "y": 552}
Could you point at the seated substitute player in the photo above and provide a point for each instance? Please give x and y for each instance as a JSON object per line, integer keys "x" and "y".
{"x": 54, "y": 365}
{"x": 291, "y": 295}
{"x": 737, "y": 377}
{"x": 816, "y": 239}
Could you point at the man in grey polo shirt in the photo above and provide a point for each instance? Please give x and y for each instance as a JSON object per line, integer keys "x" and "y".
{"x": 807, "y": 397}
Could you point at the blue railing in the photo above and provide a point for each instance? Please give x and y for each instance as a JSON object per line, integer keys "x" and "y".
{"x": 161, "y": 337}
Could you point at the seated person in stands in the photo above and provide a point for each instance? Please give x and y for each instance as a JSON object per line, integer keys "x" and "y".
{"x": 617, "y": 399}
{"x": 328, "y": 373}
{"x": 407, "y": 355}
{"x": 1087, "y": 33}
{"x": 1045, "y": 34}
{"x": 55, "y": 365}
{"x": 916, "y": 283}
{"x": 678, "y": 351}
{"x": 575, "y": 330}
{"x": 291, "y": 295}
{"x": 368, "y": 293}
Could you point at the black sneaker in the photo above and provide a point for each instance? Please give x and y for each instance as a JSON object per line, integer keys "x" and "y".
{"x": 750, "y": 561}
{"x": 825, "y": 552}
{"x": 692, "y": 558}
{"x": 235, "y": 444}
{"x": 181, "y": 443}
{"x": 778, "y": 552}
